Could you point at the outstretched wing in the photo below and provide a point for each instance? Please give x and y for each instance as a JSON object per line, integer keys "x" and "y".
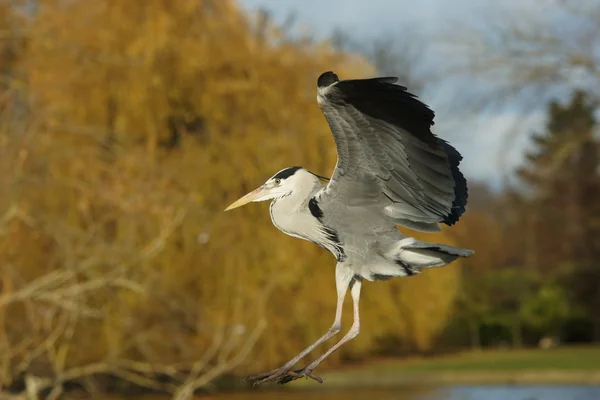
{"x": 387, "y": 154}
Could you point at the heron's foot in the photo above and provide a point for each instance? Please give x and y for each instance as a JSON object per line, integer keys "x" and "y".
{"x": 299, "y": 373}
{"x": 266, "y": 376}
{"x": 282, "y": 376}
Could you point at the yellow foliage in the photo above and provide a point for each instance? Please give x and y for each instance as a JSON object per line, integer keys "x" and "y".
{"x": 139, "y": 130}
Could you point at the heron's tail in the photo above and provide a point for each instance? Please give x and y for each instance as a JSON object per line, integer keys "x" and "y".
{"x": 418, "y": 254}
{"x": 409, "y": 256}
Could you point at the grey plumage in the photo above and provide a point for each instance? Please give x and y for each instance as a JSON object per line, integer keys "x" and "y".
{"x": 388, "y": 155}
{"x": 361, "y": 237}
{"x": 391, "y": 170}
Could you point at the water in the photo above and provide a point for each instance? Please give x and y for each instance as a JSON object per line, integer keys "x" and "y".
{"x": 506, "y": 392}
{"x": 457, "y": 392}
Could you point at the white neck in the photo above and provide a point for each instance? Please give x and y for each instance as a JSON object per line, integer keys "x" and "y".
{"x": 291, "y": 214}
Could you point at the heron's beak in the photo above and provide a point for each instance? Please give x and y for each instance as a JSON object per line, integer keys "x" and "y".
{"x": 254, "y": 195}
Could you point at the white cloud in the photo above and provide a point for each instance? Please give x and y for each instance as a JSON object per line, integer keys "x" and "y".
{"x": 492, "y": 145}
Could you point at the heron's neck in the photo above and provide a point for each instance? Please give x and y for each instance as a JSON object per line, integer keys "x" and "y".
{"x": 290, "y": 213}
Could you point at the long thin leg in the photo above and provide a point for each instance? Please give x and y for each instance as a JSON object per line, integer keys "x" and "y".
{"x": 343, "y": 277}
{"x": 351, "y": 334}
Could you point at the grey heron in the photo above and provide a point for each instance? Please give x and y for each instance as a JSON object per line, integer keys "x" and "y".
{"x": 391, "y": 171}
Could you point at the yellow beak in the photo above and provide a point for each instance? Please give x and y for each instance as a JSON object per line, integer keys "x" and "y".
{"x": 252, "y": 196}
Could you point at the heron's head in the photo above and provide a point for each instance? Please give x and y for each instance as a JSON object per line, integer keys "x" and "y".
{"x": 279, "y": 185}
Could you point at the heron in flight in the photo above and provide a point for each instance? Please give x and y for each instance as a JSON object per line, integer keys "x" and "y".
{"x": 391, "y": 170}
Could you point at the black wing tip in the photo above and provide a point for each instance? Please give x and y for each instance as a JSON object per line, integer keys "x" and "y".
{"x": 381, "y": 98}
{"x": 461, "y": 192}
{"x": 391, "y": 80}
{"x": 327, "y": 79}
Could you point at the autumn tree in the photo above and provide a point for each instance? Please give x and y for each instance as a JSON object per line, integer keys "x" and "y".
{"x": 122, "y": 138}
{"x": 116, "y": 258}
{"x": 144, "y": 119}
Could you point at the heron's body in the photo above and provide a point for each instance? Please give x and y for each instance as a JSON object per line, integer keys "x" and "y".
{"x": 360, "y": 238}
{"x": 391, "y": 170}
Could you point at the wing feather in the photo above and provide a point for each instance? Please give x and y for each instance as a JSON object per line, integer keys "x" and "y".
{"x": 387, "y": 154}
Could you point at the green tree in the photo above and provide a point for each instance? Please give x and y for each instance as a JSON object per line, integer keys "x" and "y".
{"x": 562, "y": 176}
{"x": 561, "y": 173}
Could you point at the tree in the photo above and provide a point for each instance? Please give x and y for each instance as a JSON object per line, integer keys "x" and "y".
{"x": 116, "y": 256}
{"x": 392, "y": 54}
{"x": 118, "y": 262}
{"x": 524, "y": 55}
{"x": 562, "y": 174}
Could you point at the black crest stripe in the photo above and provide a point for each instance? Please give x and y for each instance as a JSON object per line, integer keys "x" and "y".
{"x": 286, "y": 173}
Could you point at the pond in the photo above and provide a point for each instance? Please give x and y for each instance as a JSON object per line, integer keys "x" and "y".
{"x": 457, "y": 392}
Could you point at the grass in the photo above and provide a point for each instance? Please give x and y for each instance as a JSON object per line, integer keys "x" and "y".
{"x": 566, "y": 365}
{"x": 567, "y": 358}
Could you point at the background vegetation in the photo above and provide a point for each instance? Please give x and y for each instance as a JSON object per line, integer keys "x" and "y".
{"x": 122, "y": 138}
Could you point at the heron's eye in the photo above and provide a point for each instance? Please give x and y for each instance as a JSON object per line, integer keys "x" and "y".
{"x": 277, "y": 182}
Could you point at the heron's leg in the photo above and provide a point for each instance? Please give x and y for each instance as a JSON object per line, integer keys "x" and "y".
{"x": 352, "y": 333}
{"x": 343, "y": 277}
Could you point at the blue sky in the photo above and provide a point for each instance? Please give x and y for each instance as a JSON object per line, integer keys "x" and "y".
{"x": 370, "y": 17}
{"x": 480, "y": 138}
